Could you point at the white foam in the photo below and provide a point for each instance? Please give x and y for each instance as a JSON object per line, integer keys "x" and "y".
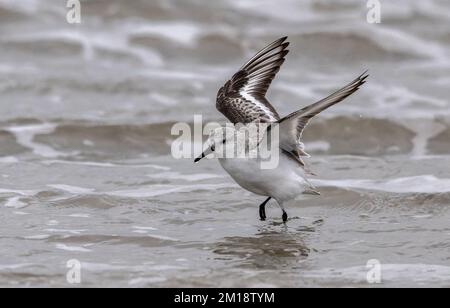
{"x": 88, "y": 143}
{"x": 318, "y": 145}
{"x": 163, "y": 237}
{"x": 101, "y": 267}
{"x": 72, "y": 189}
{"x": 37, "y": 237}
{"x": 395, "y": 40}
{"x": 422, "y": 216}
{"x": 414, "y": 184}
{"x": 181, "y": 32}
{"x": 165, "y": 100}
{"x": 93, "y": 164}
{"x": 79, "y": 215}
{"x": 25, "y": 137}
{"x": 396, "y": 97}
{"x": 424, "y": 131}
{"x": 72, "y": 248}
{"x": 172, "y": 75}
{"x": 112, "y": 40}
{"x": 140, "y": 231}
{"x": 17, "y": 191}
{"x": 186, "y": 177}
{"x": 151, "y": 166}
{"x": 143, "y": 192}
{"x": 104, "y": 165}
{"x": 145, "y": 228}
{"x": 158, "y": 190}
{"x": 76, "y": 232}
{"x": 8, "y": 160}
{"x": 290, "y": 10}
{"x": 14, "y": 202}
{"x": 52, "y": 223}
{"x": 4, "y": 267}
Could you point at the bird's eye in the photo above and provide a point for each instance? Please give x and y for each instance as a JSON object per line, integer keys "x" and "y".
{"x": 213, "y": 148}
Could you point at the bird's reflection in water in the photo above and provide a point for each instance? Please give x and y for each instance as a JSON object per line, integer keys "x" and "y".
{"x": 266, "y": 250}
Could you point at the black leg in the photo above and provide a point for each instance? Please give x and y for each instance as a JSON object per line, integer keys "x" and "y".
{"x": 262, "y": 209}
{"x": 285, "y": 216}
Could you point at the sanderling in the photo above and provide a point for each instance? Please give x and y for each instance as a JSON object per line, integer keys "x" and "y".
{"x": 242, "y": 100}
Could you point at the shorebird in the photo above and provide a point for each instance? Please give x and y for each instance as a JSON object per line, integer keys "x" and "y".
{"x": 242, "y": 100}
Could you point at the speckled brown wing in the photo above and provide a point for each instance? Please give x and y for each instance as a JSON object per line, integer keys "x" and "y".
{"x": 242, "y": 98}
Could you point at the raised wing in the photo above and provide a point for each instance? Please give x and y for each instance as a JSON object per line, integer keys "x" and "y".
{"x": 291, "y": 127}
{"x": 242, "y": 98}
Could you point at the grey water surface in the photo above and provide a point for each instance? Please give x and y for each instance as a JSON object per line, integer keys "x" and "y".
{"x": 86, "y": 170}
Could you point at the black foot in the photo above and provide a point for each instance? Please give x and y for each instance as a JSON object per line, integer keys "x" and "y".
{"x": 262, "y": 212}
{"x": 262, "y": 209}
{"x": 285, "y": 216}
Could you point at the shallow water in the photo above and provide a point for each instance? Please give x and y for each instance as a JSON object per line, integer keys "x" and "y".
{"x": 86, "y": 171}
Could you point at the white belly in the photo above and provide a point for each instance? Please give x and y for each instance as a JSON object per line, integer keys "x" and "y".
{"x": 283, "y": 183}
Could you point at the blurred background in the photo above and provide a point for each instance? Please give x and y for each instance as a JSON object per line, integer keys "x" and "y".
{"x": 85, "y": 165}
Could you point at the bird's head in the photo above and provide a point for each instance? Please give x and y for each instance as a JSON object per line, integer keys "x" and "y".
{"x": 217, "y": 141}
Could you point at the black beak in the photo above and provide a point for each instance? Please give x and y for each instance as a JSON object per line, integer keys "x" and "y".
{"x": 198, "y": 158}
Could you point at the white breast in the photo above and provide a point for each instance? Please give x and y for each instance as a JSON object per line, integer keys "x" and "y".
{"x": 283, "y": 183}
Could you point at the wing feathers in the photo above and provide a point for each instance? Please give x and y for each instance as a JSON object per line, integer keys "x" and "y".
{"x": 314, "y": 109}
{"x": 242, "y": 98}
{"x": 276, "y": 44}
{"x": 302, "y": 116}
{"x": 280, "y": 55}
{"x": 291, "y": 127}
